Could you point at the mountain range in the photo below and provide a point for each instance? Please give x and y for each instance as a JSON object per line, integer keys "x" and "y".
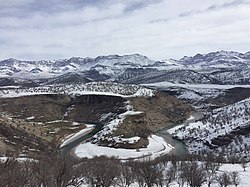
{"x": 222, "y": 67}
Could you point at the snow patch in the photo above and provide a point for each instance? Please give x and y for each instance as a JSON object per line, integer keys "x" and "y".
{"x": 157, "y": 147}
{"x": 77, "y": 135}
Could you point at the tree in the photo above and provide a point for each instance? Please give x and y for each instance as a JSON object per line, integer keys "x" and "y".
{"x": 244, "y": 163}
{"x": 235, "y": 178}
{"x": 148, "y": 173}
{"x": 169, "y": 175}
{"x": 59, "y": 172}
{"x": 193, "y": 173}
{"x": 223, "y": 179}
{"x": 102, "y": 171}
{"x": 211, "y": 168}
{"x": 16, "y": 173}
{"x": 127, "y": 176}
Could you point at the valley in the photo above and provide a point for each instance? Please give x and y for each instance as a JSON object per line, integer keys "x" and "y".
{"x": 132, "y": 98}
{"x": 54, "y": 114}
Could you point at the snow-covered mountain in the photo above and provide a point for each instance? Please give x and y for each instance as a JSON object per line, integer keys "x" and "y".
{"x": 222, "y": 67}
{"x": 44, "y": 69}
{"x": 219, "y": 59}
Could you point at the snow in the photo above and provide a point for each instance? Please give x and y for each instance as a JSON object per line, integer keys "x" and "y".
{"x": 20, "y": 159}
{"x": 111, "y": 65}
{"x": 57, "y": 121}
{"x": 77, "y": 135}
{"x": 191, "y": 118}
{"x": 218, "y": 123}
{"x": 75, "y": 123}
{"x": 93, "y": 88}
{"x": 105, "y": 116}
{"x": 111, "y": 126}
{"x": 165, "y": 84}
{"x": 157, "y": 147}
{"x": 199, "y": 95}
{"x": 244, "y": 176}
{"x": 187, "y": 122}
{"x": 31, "y": 117}
{"x": 128, "y": 140}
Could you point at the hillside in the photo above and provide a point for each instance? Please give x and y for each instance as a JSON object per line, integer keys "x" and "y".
{"x": 222, "y": 131}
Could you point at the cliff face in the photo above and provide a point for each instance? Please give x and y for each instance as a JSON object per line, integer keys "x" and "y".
{"x": 50, "y": 107}
{"x": 161, "y": 110}
{"x": 157, "y": 112}
{"x": 90, "y": 108}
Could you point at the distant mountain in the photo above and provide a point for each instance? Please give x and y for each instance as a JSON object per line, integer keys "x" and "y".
{"x": 222, "y": 67}
{"x": 68, "y": 78}
{"x": 219, "y": 59}
{"x": 103, "y": 64}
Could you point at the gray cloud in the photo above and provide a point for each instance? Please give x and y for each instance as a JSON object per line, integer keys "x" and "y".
{"x": 140, "y": 5}
{"x": 159, "y": 29}
{"x": 215, "y": 7}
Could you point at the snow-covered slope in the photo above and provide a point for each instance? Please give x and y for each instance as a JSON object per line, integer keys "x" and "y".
{"x": 224, "y": 130}
{"x": 93, "y": 88}
{"x": 204, "y": 95}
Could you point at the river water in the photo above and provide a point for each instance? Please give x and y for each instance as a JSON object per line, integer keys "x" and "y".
{"x": 65, "y": 150}
{"x": 179, "y": 148}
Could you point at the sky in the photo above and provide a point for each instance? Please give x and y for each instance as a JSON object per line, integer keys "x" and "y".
{"x": 159, "y": 29}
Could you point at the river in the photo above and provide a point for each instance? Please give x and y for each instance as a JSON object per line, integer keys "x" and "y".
{"x": 65, "y": 150}
{"x": 179, "y": 148}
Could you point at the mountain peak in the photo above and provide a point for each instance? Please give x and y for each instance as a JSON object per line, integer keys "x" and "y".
{"x": 219, "y": 58}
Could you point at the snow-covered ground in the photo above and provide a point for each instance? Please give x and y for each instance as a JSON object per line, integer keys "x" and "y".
{"x": 77, "y": 135}
{"x": 111, "y": 126}
{"x": 174, "y": 129}
{"x": 244, "y": 176}
{"x": 198, "y": 95}
{"x": 93, "y": 88}
{"x": 222, "y": 122}
{"x": 166, "y": 84}
{"x": 157, "y": 147}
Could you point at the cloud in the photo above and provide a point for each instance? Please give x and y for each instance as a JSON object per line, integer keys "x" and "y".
{"x": 215, "y": 7}
{"x": 157, "y": 28}
{"x": 139, "y": 4}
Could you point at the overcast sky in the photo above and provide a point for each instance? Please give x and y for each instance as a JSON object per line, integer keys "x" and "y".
{"x": 159, "y": 29}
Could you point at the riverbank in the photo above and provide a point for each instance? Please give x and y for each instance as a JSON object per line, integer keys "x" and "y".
{"x": 159, "y": 144}
{"x": 77, "y": 135}
{"x": 157, "y": 147}
{"x": 68, "y": 145}
{"x": 179, "y": 149}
